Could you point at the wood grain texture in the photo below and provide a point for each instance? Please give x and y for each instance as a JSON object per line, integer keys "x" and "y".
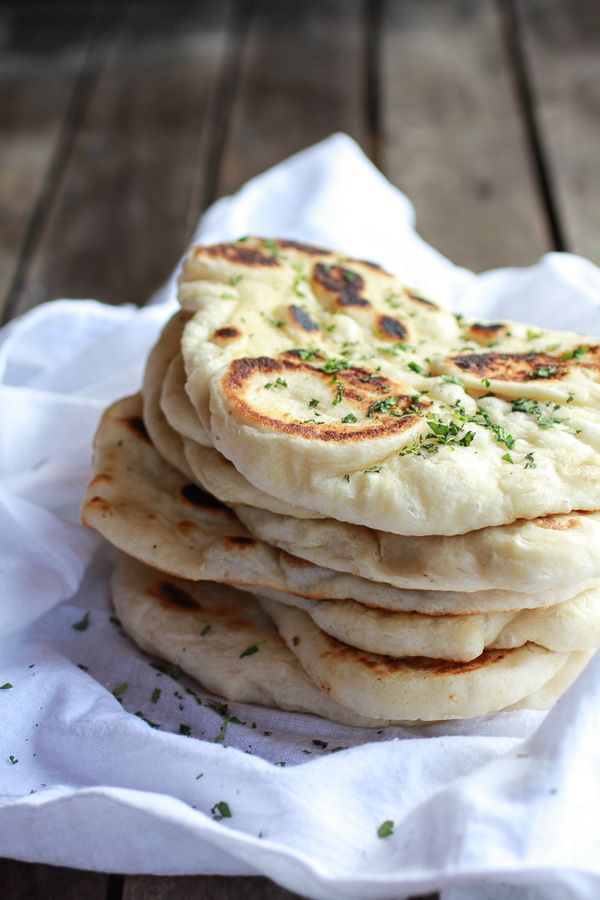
{"x": 453, "y": 139}
{"x": 123, "y": 213}
{"x": 561, "y": 41}
{"x": 302, "y": 77}
{"x": 41, "y": 62}
{"x": 212, "y": 887}
{"x": 31, "y": 881}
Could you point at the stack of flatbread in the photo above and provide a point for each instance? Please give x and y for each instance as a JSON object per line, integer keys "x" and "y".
{"x": 335, "y": 496}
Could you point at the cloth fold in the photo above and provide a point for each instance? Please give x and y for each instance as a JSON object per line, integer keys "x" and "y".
{"x": 96, "y": 768}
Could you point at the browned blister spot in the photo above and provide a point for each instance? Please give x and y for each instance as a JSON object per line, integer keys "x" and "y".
{"x": 355, "y": 384}
{"x": 303, "y": 248}
{"x": 192, "y": 493}
{"x": 239, "y": 541}
{"x": 295, "y": 640}
{"x": 557, "y": 522}
{"x": 386, "y": 666}
{"x": 137, "y": 427}
{"x": 229, "y": 333}
{"x": 171, "y": 596}
{"x": 185, "y": 527}
{"x": 486, "y": 332}
{"x": 338, "y": 285}
{"x": 246, "y": 254}
{"x": 519, "y": 367}
{"x": 301, "y": 319}
{"x": 391, "y": 329}
{"x": 103, "y": 477}
{"x": 99, "y": 504}
{"x": 294, "y": 562}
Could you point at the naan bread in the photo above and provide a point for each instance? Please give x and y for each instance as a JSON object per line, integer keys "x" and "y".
{"x": 221, "y": 637}
{"x": 546, "y": 555}
{"x": 574, "y": 625}
{"x": 409, "y": 689}
{"x": 206, "y": 629}
{"x": 167, "y": 441}
{"x": 331, "y": 386}
{"x": 149, "y": 510}
{"x": 176, "y": 405}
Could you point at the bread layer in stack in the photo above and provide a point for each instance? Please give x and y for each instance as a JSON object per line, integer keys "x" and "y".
{"x": 336, "y": 497}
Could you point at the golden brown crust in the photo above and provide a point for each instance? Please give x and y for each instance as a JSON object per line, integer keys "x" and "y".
{"x": 243, "y": 253}
{"x": 360, "y": 389}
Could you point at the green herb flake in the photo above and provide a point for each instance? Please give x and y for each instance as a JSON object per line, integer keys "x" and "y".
{"x": 234, "y": 280}
{"x": 205, "y": 630}
{"x": 228, "y": 296}
{"x": 185, "y": 730}
{"x": 269, "y": 244}
{"x": 386, "y": 829}
{"x": 201, "y": 775}
{"x": 532, "y": 408}
{"x": 141, "y": 716}
{"x": 114, "y": 621}
{"x": 508, "y": 458}
{"x": 313, "y": 403}
{"x": 155, "y": 695}
{"x": 252, "y": 649}
{"x": 415, "y": 367}
{"x": 486, "y": 382}
{"x": 174, "y": 671}
{"x": 321, "y": 744}
{"x": 451, "y": 379}
{"x": 221, "y": 811}
{"x": 275, "y": 323}
{"x": 82, "y": 667}
{"x": 306, "y": 355}
{"x": 530, "y": 462}
{"x": 120, "y": 689}
{"x": 347, "y": 478}
{"x": 278, "y": 383}
{"x": 374, "y": 470}
{"x": 5, "y": 687}
{"x": 82, "y": 624}
{"x": 349, "y": 419}
{"x": 532, "y": 335}
{"x": 543, "y": 372}
{"x": 13, "y": 759}
{"x": 576, "y": 353}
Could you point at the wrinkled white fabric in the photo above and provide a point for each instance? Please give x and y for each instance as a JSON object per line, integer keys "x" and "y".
{"x": 503, "y": 807}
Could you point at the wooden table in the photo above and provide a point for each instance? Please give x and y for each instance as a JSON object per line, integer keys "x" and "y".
{"x": 120, "y": 122}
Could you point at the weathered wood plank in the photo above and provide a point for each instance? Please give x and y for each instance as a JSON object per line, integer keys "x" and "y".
{"x": 122, "y": 215}
{"x": 302, "y": 77}
{"x": 28, "y": 881}
{"x": 561, "y": 41}
{"x": 453, "y": 138}
{"x": 43, "y": 54}
{"x": 213, "y": 887}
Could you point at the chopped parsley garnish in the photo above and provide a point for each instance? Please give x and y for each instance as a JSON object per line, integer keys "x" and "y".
{"x": 543, "y": 372}
{"x": 114, "y": 621}
{"x": 141, "y": 716}
{"x": 155, "y": 695}
{"x": 321, "y": 744}
{"x": 185, "y": 730}
{"x": 222, "y": 709}
{"x": 451, "y": 379}
{"x": 349, "y": 419}
{"x": 347, "y": 478}
{"x": 570, "y": 397}
{"x": 82, "y": 624}
{"x": 205, "y": 630}
{"x": 13, "y": 759}
{"x": 334, "y": 365}
{"x": 5, "y": 687}
{"x": 275, "y": 323}
{"x": 82, "y": 667}
{"x": 221, "y": 811}
{"x": 415, "y": 367}
{"x": 298, "y": 285}
{"x": 279, "y": 382}
{"x": 533, "y": 335}
{"x": 577, "y": 353}
{"x": 530, "y": 461}
{"x": 340, "y": 390}
{"x": 234, "y": 280}
{"x": 306, "y": 355}
{"x": 120, "y": 689}
{"x": 174, "y": 671}
{"x": 386, "y": 405}
{"x": 532, "y": 408}
{"x": 486, "y": 382}
{"x": 508, "y": 458}
{"x": 374, "y": 470}
{"x": 228, "y": 296}
{"x": 270, "y": 245}
{"x": 313, "y": 403}
{"x": 385, "y": 829}
{"x": 252, "y": 649}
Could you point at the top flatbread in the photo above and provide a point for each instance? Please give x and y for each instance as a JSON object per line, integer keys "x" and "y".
{"x": 331, "y": 386}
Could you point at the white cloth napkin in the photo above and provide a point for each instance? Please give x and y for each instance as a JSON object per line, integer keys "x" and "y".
{"x": 504, "y": 806}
